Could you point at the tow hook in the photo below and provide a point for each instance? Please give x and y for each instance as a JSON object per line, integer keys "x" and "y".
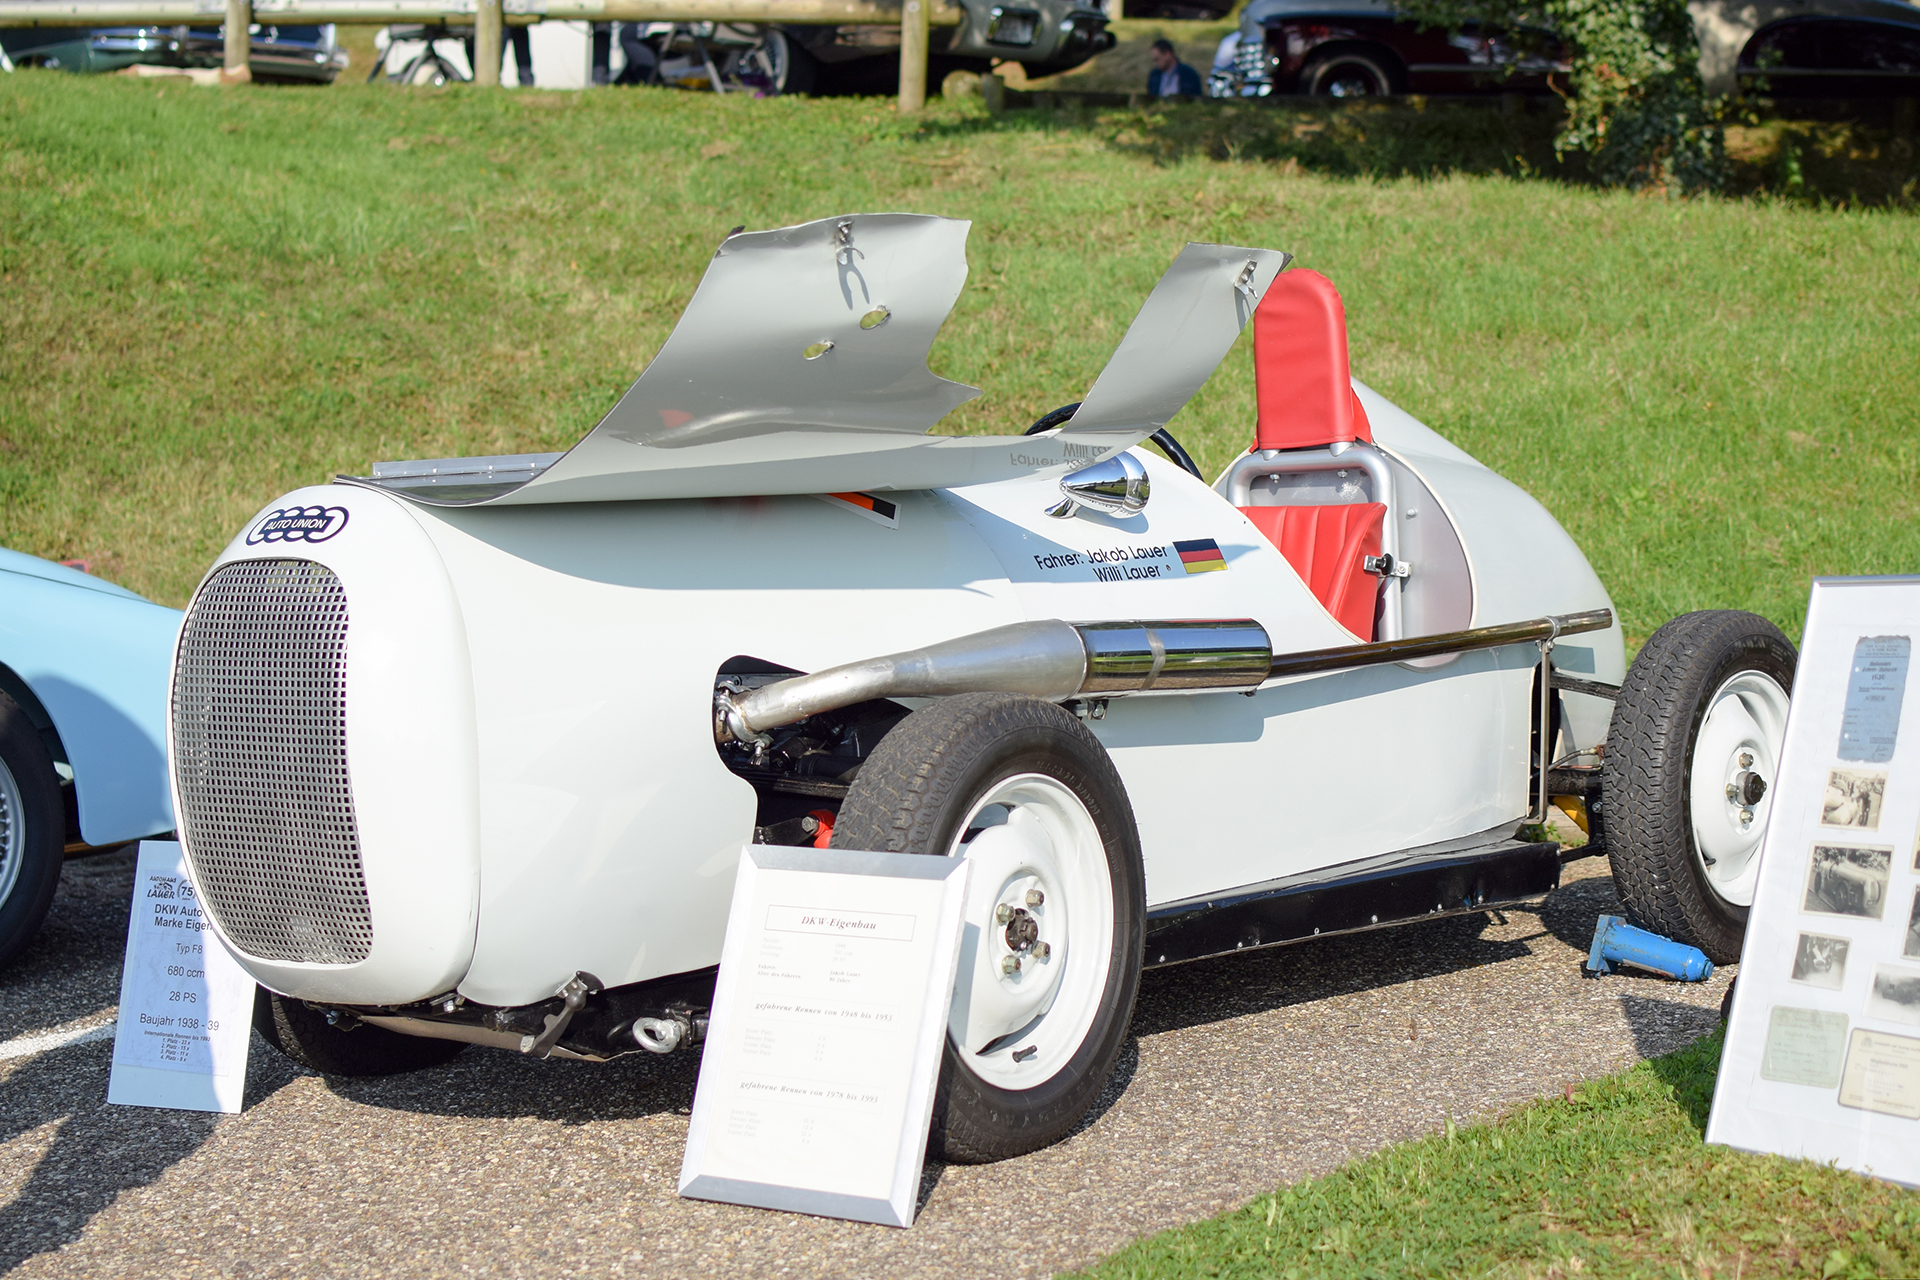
{"x": 664, "y": 1035}
{"x": 575, "y": 993}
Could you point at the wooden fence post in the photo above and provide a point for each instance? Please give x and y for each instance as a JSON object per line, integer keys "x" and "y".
{"x": 237, "y": 42}
{"x": 487, "y": 43}
{"x": 913, "y": 56}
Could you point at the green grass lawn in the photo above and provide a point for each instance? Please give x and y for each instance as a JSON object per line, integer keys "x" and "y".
{"x": 208, "y": 297}
{"x": 1610, "y": 1181}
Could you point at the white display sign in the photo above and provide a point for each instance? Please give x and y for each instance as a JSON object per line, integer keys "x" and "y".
{"x": 1822, "y": 1059}
{"x": 828, "y": 1024}
{"x": 186, "y": 1005}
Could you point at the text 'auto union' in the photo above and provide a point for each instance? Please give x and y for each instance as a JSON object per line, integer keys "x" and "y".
{"x": 466, "y": 751}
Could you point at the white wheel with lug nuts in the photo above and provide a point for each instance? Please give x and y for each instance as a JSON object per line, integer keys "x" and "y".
{"x": 1033, "y": 968}
{"x": 1735, "y": 760}
{"x": 1055, "y": 916}
{"x": 1692, "y": 757}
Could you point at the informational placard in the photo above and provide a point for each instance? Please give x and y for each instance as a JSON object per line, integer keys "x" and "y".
{"x": 816, "y": 1083}
{"x": 186, "y": 1005}
{"x": 1823, "y": 1049}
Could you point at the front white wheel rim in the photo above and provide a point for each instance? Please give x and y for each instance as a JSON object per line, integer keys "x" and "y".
{"x": 1014, "y": 1026}
{"x": 1741, "y": 735}
{"x": 13, "y": 833}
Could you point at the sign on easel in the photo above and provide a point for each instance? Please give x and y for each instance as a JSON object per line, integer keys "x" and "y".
{"x": 828, "y": 1025}
{"x": 1822, "y": 1060}
{"x": 186, "y": 1005}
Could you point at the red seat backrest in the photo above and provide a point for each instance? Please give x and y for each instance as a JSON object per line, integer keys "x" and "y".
{"x": 1301, "y": 378}
{"x": 1325, "y": 546}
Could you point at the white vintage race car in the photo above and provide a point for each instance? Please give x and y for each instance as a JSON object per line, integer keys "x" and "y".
{"x": 466, "y": 751}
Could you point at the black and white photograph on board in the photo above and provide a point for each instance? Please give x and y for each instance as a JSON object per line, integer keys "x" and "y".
{"x": 1854, "y": 799}
{"x": 1848, "y": 881}
{"x": 1895, "y": 994}
{"x": 1820, "y": 961}
{"x": 1912, "y": 950}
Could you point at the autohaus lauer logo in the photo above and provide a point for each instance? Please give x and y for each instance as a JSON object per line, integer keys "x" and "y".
{"x": 298, "y": 524}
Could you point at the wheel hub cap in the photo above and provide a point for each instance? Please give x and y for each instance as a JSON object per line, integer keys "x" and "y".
{"x": 1735, "y": 757}
{"x": 1038, "y": 938}
{"x": 13, "y": 834}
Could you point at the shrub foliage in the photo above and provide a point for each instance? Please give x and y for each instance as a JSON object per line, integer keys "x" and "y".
{"x": 1636, "y": 108}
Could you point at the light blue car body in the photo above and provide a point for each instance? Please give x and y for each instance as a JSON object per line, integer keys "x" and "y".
{"x": 97, "y": 658}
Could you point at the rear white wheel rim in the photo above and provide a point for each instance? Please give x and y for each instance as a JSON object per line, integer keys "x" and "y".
{"x": 1017, "y": 1029}
{"x": 1742, "y": 732}
{"x": 13, "y": 833}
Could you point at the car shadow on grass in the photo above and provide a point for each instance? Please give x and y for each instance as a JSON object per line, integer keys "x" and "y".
{"x": 1829, "y": 163}
{"x": 1402, "y": 137}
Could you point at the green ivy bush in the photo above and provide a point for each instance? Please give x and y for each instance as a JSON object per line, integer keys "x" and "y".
{"x": 1636, "y": 106}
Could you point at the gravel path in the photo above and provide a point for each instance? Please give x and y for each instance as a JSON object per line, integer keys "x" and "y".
{"x": 1244, "y": 1072}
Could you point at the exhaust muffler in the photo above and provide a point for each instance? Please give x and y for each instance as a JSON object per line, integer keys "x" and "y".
{"x": 1050, "y": 659}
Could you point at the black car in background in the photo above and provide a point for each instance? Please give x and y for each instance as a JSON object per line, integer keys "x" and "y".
{"x": 1818, "y": 56}
{"x": 280, "y": 53}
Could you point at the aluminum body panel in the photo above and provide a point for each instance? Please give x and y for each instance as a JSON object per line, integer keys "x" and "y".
{"x": 611, "y": 828}
{"x": 1518, "y": 557}
{"x": 411, "y": 757}
{"x": 96, "y": 656}
{"x": 800, "y": 366}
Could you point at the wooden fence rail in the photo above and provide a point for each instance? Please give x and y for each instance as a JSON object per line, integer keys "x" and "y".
{"x": 913, "y": 17}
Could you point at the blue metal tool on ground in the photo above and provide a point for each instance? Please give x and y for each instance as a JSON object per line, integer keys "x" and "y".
{"x": 1615, "y": 942}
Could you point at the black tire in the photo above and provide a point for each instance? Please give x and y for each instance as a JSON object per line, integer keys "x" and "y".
{"x": 795, "y": 70}
{"x": 304, "y": 1035}
{"x": 911, "y": 796}
{"x": 1346, "y": 75}
{"x": 429, "y": 70}
{"x": 32, "y": 830}
{"x": 1646, "y": 779}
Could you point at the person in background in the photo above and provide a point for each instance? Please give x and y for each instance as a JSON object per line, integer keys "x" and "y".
{"x": 522, "y": 53}
{"x": 1170, "y": 77}
{"x": 603, "y": 53}
{"x": 642, "y": 60}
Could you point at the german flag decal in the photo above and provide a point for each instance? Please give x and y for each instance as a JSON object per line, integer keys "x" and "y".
{"x": 1202, "y": 555}
{"x": 874, "y": 508}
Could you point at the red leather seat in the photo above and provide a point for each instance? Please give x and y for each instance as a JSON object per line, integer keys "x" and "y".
{"x": 1325, "y": 546}
{"x": 1304, "y": 389}
{"x": 1301, "y": 378}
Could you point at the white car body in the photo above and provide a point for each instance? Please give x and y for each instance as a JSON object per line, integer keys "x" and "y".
{"x": 527, "y": 726}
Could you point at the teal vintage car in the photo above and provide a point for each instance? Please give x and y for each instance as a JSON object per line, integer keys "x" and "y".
{"x": 83, "y": 716}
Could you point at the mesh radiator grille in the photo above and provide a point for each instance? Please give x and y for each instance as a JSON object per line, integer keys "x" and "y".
{"x": 260, "y": 753}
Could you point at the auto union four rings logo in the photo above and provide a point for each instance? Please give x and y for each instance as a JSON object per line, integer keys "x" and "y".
{"x": 298, "y": 524}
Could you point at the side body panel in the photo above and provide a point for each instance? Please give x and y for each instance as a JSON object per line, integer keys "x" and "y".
{"x": 97, "y": 657}
{"x": 1229, "y": 790}
{"x": 611, "y": 830}
{"x": 1522, "y": 562}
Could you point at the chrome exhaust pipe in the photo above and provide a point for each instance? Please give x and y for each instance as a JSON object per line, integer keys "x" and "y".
{"x": 1051, "y": 659}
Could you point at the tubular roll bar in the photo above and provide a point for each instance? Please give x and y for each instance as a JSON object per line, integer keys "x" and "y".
{"x": 1540, "y": 630}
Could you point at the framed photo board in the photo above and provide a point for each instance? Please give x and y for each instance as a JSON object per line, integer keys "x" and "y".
{"x": 1823, "y": 1048}
{"x": 828, "y": 1025}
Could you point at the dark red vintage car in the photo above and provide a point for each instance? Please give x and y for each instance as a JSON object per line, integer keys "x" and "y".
{"x": 1366, "y": 49}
